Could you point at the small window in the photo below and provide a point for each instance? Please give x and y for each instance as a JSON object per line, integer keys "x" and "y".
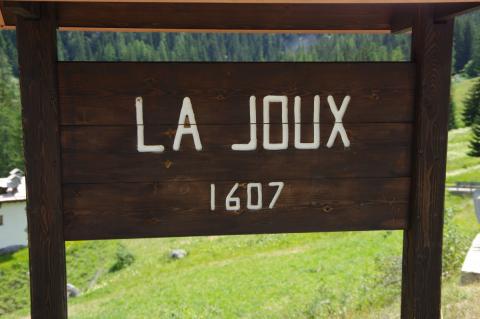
{"x": 1, "y": 220}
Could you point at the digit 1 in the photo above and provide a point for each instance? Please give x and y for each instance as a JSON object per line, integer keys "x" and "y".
{"x": 212, "y": 197}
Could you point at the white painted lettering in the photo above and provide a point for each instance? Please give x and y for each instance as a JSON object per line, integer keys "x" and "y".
{"x": 279, "y": 186}
{"x": 283, "y": 145}
{"x": 187, "y": 128}
{"x": 212, "y": 197}
{"x": 232, "y": 203}
{"x": 252, "y": 145}
{"x": 338, "y": 126}
{"x": 141, "y": 147}
{"x": 316, "y": 125}
{"x": 258, "y": 205}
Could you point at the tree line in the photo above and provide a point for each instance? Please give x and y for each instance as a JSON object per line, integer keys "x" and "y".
{"x": 96, "y": 46}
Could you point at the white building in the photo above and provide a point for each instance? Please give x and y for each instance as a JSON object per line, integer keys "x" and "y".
{"x": 13, "y": 216}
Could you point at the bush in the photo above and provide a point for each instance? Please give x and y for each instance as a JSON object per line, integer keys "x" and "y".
{"x": 455, "y": 246}
{"x": 123, "y": 259}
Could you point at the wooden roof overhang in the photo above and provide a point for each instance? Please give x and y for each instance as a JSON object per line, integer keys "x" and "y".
{"x": 370, "y": 16}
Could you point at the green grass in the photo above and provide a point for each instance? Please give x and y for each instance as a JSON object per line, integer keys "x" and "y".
{"x": 14, "y": 281}
{"x": 460, "y": 166}
{"x": 324, "y": 275}
{"x": 84, "y": 263}
{"x": 280, "y": 276}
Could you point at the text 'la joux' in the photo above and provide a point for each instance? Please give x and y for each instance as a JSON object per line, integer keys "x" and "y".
{"x": 187, "y": 125}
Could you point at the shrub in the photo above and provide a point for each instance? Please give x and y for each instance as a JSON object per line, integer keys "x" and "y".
{"x": 455, "y": 246}
{"x": 123, "y": 259}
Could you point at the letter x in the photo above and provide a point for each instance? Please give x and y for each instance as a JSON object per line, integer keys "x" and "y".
{"x": 338, "y": 126}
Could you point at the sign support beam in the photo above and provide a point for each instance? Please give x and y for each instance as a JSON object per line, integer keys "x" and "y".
{"x": 422, "y": 260}
{"x": 37, "y": 56}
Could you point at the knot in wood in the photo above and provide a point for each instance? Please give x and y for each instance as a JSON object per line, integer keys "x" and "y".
{"x": 167, "y": 163}
{"x": 327, "y": 208}
{"x": 170, "y": 133}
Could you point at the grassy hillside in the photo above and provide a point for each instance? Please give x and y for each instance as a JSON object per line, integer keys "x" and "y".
{"x": 325, "y": 275}
{"x": 460, "y": 166}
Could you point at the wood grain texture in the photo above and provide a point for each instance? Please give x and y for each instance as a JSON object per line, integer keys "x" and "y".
{"x": 171, "y": 195}
{"x": 94, "y": 211}
{"x": 123, "y": 139}
{"x": 37, "y": 53}
{"x": 422, "y": 265}
{"x": 81, "y": 225}
{"x": 168, "y": 194}
{"x": 185, "y": 166}
{"x": 252, "y": 15}
{"x": 104, "y": 93}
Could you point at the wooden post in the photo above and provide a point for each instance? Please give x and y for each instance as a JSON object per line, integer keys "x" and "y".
{"x": 37, "y": 57}
{"x": 422, "y": 260}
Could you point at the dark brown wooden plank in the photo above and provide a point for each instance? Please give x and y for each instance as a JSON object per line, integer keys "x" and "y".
{"x": 37, "y": 54}
{"x": 224, "y": 16}
{"x": 296, "y": 17}
{"x": 402, "y": 18}
{"x": 26, "y": 10}
{"x": 353, "y": 216}
{"x": 288, "y": 164}
{"x": 194, "y": 197}
{"x": 123, "y": 139}
{"x": 448, "y": 11}
{"x": 104, "y": 93}
{"x": 94, "y": 211}
{"x": 220, "y": 16}
{"x": 422, "y": 266}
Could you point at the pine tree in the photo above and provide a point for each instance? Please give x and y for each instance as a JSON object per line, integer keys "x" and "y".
{"x": 472, "y": 68}
{"x": 472, "y": 104}
{"x": 463, "y": 42}
{"x": 475, "y": 142}
{"x": 468, "y": 41}
{"x": 458, "y": 45}
{"x": 109, "y": 53}
{"x": 452, "y": 122}
{"x": 11, "y": 154}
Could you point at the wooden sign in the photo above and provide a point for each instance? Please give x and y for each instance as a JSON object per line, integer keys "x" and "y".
{"x": 176, "y": 149}
{"x": 126, "y": 150}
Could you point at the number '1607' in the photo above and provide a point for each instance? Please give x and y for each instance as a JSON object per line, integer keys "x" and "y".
{"x": 232, "y": 202}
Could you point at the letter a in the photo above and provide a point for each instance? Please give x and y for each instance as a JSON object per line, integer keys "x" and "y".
{"x": 187, "y": 111}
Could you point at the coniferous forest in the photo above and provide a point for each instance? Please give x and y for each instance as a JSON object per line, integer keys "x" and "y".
{"x": 94, "y": 46}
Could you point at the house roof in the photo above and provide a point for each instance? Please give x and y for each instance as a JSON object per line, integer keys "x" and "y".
{"x": 238, "y": 15}
{"x": 16, "y": 193}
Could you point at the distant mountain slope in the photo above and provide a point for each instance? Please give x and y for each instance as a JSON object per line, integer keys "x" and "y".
{"x": 89, "y": 46}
